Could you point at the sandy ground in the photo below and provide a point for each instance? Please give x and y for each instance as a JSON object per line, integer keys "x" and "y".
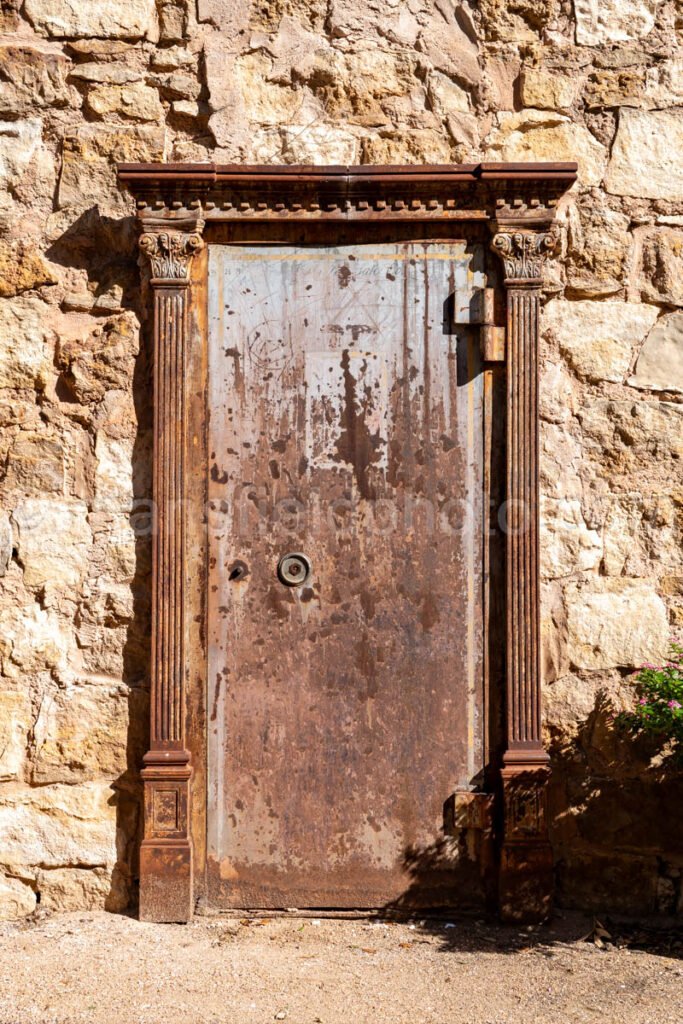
{"x": 106, "y": 969}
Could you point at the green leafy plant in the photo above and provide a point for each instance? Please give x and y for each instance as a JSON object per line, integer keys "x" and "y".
{"x": 658, "y": 711}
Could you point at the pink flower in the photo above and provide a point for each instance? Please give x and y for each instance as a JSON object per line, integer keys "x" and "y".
{"x": 673, "y": 704}
{"x": 642, "y": 701}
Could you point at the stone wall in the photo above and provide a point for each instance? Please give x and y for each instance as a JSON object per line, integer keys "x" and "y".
{"x": 86, "y": 83}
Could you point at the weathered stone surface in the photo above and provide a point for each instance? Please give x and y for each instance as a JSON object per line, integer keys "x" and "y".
{"x": 135, "y": 102}
{"x": 52, "y": 540}
{"x": 76, "y": 888}
{"x": 88, "y": 161}
{"x": 25, "y": 344}
{"x": 56, "y": 826}
{"x": 548, "y": 90}
{"x": 33, "y": 640}
{"x": 599, "y": 244}
{"x": 645, "y": 160}
{"x": 16, "y": 720}
{"x": 82, "y": 19}
{"x": 632, "y": 443}
{"x": 414, "y": 147}
{"x": 539, "y": 135}
{"x": 35, "y": 464}
{"x": 22, "y": 268}
{"x": 664, "y": 84}
{"x": 613, "y": 21}
{"x": 615, "y": 622}
{"x": 451, "y": 50}
{"x": 102, "y": 362}
{"x": 568, "y": 545}
{"x": 35, "y": 79}
{"x": 82, "y": 732}
{"x": 615, "y": 87}
{"x": 17, "y": 898}
{"x": 640, "y": 529}
{"x": 19, "y": 141}
{"x": 599, "y": 338}
{"x": 661, "y": 271}
{"x": 660, "y": 362}
{"x": 105, "y": 74}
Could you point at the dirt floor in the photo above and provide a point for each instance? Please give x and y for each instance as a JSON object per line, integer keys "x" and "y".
{"x": 107, "y": 969}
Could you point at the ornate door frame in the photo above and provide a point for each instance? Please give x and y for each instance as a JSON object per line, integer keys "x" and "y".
{"x": 179, "y": 208}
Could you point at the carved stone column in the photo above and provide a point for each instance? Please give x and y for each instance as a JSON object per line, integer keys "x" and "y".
{"x": 526, "y": 871}
{"x": 166, "y": 851}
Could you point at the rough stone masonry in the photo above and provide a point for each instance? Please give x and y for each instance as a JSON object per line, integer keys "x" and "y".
{"x": 87, "y": 83}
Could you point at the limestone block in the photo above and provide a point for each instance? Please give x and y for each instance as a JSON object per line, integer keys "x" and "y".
{"x": 19, "y": 141}
{"x": 615, "y": 623}
{"x": 664, "y": 84}
{"x": 446, "y": 96}
{"x": 35, "y": 464}
{"x": 598, "y": 338}
{"x": 318, "y": 144}
{"x": 598, "y": 244}
{"x": 89, "y": 158}
{"x": 548, "y": 90}
{"x": 36, "y": 78}
{"x": 451, "y": 50}
{"x": 83, "y": 19}
{"x": 105, "y": 74}
{"x": 104, "y": 361}
{"x": 293, "y": 46}
{"x": 56, "y": 826}
{"x": 568, "y": 545}
{"x": 660, "y": 362}
{"x": 645, "y": 160}
{"x": 568, "y": 703}
{"x": 641, "y": 530}
{"x": 610, "y": 87}
{"x": 173, "y": 20}
{"x": 74, "y": 888}
{"x": 661, "y": 269}
{"x": 22, "y": 268}
{"x": 228, "y": 120}
{"x": 561, "y": 459}
{"x": 171, "y": 58}
{"x": 6, "y": 543}
{"x": 411, "y": 147}
{"x": 136, "y": 102}
{"x": 265, "y": 102}
{"x": 555, "y": 392}
{"x": 613, "y": 21}
{"x": 25, "y": 344}
{"x": 633, "y": 439}
{"x": 16, "y": 720}
{"x": 33, "y": 640}
{"x": 82, "y": 732}
{"x": 113, "y": 473}
{"x": 179, "y": 85}
{"x": 540, "y": 135}
{"x": 17, "y": 898}
{"x": 53, "y": 541}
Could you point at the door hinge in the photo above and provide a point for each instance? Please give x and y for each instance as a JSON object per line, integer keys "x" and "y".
{"x": 471, "y": 811}
{"x": 492, "y": 336}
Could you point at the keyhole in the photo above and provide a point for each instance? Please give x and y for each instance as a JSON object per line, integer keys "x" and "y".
{"x": 237, "y": 571}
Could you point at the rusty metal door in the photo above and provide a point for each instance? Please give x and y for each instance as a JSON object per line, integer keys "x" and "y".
{"x": 345, "y": 702}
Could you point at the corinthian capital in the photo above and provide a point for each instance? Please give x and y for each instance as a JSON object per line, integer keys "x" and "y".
{"x": 170, "y": 252}
{"x": 524, "y": 253}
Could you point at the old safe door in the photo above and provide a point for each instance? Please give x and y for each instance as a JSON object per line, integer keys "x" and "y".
{"x": 345, "y": 680}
